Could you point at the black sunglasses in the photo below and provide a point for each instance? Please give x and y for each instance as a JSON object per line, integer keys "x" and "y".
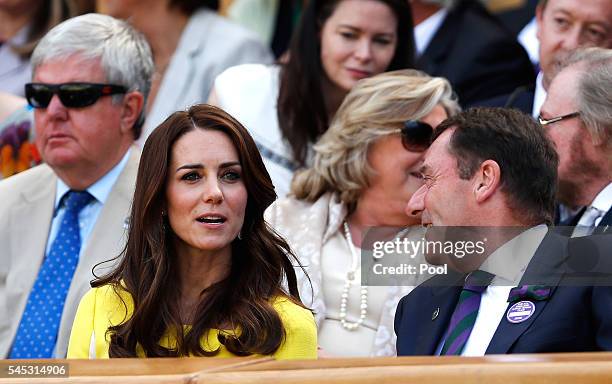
{"x": 416, "y": 135}
{"x": 72, "y": 95}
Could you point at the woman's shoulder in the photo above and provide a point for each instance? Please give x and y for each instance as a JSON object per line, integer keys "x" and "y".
{"x": 221, "y": 28}
{"x": 289, "y": 309}
{"x": 295, "y": 318}
{"x": 289, "y": 209}
{"x": 300, "y": 330}
{"x": 108, "y": 297}
{"x": 248, "y": 73}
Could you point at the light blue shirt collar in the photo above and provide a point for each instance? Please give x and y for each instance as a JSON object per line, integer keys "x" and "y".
{"x": 101, "y": 188}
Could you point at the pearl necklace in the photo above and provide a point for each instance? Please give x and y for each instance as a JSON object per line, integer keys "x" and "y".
{"x": 350, "y": 278}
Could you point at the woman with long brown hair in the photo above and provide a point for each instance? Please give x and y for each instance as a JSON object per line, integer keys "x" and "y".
{"x": 201, "y": 274}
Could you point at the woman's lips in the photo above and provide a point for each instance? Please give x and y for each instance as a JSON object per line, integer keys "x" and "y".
{"x": 358, "y": 73}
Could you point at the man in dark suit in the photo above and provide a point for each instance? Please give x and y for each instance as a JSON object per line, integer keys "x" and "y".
{"x": 513, "y": 297}
{"x": 576, "y": 116}
{"x": 461, "y": 41}
{"x": 563, "y": 26}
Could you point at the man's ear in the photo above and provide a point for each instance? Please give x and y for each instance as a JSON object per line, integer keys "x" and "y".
{"x": 539, "y": 20}
{"x": 133, "y": 103}
{"x": 486, "y": 180}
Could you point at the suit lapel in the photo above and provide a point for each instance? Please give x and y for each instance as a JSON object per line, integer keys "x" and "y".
{"x": 605, "y": 225}
{"x": 545, "y": 268}
{"x": 30, "y": 221}
{"x": 443, "y": 40}
{"x": 437, "y": 314}
{"x": 439, "y": 46}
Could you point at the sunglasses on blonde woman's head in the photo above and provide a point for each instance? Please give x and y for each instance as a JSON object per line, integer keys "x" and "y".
{"x": 72, "y": 95}
{"x": 416, "y": 135}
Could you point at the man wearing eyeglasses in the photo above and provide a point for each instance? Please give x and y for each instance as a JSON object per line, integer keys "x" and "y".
{"x": 91, "y": 75}
{"x": 577, "y": 115}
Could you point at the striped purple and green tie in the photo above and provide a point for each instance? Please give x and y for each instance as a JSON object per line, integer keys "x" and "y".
{"x": 464, "y": 316}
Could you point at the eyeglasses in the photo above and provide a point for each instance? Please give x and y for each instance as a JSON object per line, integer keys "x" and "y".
{"x": 544, "y": 122}
{"x": 72, "y": 95}
{"x": 416, "y": 135}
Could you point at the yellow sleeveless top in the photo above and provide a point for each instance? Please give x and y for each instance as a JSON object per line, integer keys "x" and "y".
{"x": 101, "y": 308}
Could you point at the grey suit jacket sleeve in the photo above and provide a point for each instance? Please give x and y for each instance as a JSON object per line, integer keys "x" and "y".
{"x": 209, "y": 44}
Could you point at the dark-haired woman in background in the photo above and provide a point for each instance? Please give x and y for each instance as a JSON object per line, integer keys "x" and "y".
{"x": 191, "y": 45}
{"x": 201, "y": 273}
{"x": 337, "y": 43}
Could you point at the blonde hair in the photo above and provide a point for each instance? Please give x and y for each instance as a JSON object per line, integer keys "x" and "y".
{"x": 375, "y": 107}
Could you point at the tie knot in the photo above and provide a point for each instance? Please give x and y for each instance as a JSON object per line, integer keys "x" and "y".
{"x": 590, "y": 215}
{"x": 478, "y": 281}
{"x": 76, "y": 200}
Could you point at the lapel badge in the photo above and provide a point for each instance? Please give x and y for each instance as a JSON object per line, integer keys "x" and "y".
{"x": 435, "y": 314}
{"x": 520, "y": 311}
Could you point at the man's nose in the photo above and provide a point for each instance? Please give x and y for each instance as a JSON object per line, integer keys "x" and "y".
{"x": 416, "y": 204}
{"x": 56, "y": 110}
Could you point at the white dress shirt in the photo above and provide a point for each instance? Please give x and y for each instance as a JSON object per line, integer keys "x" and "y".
{"x": 508, "y": 263}
{"x": 529, "y": 40}
{"x": 539, "y": 96}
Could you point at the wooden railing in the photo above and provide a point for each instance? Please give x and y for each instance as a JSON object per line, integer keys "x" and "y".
{"x": 527, "y": 369}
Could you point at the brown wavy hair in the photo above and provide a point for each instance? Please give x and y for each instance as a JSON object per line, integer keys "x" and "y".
{"x": 148, "y": 271}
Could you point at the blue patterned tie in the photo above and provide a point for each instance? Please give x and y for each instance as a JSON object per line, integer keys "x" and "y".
{"x": 37, "y": 332}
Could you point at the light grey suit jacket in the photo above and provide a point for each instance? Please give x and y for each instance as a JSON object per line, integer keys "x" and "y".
{"x": 209, "y": 44}
{"x": 26, "y": 209}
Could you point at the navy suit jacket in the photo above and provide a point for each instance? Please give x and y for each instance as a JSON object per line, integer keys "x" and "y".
{"x": 479, "y": 57}
{"x": 605, "y": 225}
{"x": 576, "y": 317}
{"x": 521, "y": 98}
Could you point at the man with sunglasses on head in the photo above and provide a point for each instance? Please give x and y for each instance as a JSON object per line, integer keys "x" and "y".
{"x": 577, "y": 116}
{"x": 91, "y": 76}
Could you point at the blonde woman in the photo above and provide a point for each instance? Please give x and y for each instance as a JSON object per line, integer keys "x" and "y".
{"x": 366, "y": 168}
